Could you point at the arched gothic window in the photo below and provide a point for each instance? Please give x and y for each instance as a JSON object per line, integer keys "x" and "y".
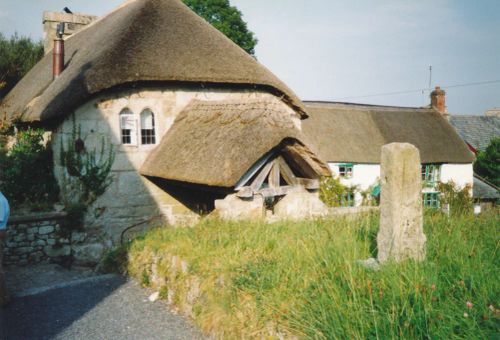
{"x": 148, "y": 135}
{"x": 128, "y": 127}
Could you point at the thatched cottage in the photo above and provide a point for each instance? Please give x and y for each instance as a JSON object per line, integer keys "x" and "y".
{"x": 349, "y": 137}
{"x": 190, "y": 115}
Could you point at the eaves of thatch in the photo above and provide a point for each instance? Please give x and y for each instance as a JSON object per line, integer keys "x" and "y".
{"x": 215, "y": 143}
{"x": 344, "y": 132}
{"x": 140, "y": 41}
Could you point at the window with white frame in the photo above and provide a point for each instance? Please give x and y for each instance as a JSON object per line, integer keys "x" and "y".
{"x": 148, "y": 135}
{"x": 128, "y": 127}
{"x": 345, "y": 170}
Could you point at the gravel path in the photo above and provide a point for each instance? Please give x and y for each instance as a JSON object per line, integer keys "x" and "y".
{"x": 98, "y": 307}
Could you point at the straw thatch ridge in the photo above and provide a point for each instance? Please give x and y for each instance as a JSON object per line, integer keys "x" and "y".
{"x": 342, "y": 132}
{"x": 216, "y": 142}
{"x": 142, "y": 40}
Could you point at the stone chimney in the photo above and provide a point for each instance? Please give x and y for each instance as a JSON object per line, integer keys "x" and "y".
{"x": 438, "y": 101}
{"x": 74, "y": 23}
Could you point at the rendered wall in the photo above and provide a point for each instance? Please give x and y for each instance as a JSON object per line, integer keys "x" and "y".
{"x": 365, "y": 175}
{"x": 131, "y": 198}
{"x": 461, "y": 174}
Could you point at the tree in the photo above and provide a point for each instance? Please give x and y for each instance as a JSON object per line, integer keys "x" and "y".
{"x": 17, "y": 56}
{"x": 227, "y": 19}
{"x": 488, "y": 162}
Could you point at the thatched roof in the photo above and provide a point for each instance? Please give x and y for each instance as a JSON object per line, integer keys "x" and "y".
{"x": 342, "y": 132}
{"x": 140, "y": 41}
{"x": 216, "y": 143}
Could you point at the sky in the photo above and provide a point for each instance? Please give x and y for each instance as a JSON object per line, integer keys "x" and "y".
{"x": 352, "y": 51}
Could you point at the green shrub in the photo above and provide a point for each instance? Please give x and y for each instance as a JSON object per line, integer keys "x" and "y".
{"x": 459, "y": 199}
{"x": 333, "y": 193}
{"x": 488, "y": 162}
{"x": 116, "y": 260}
{"x": 89, "y": 171}
{"x": 26, "y": 171}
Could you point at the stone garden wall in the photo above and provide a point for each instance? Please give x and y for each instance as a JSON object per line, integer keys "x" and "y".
{"x": 39, "y": 238}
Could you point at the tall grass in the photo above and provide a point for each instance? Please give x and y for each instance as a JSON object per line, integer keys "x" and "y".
{"x": 303, "y": 279}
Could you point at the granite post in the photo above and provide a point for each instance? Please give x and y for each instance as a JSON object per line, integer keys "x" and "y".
{"x": 401, "y": 234}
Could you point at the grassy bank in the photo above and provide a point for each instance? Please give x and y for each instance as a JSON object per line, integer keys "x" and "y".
{"x": 302, "y": 278}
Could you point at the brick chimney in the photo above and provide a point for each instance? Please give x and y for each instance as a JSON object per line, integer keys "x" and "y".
{"x": 438, "y": 101}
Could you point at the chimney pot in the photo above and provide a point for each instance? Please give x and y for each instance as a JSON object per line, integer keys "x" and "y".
{"x": 58, "y": 52}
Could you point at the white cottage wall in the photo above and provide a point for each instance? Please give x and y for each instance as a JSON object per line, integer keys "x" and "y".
{"x": 461, "y": 174}
{"x": 365, "y": 175}
{"x": 131, "y": 198}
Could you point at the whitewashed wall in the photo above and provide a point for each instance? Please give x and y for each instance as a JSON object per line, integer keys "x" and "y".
{"x": 461, "y": 174}
{"x": 132, "y": 198}
{"x": 365, "y": 175}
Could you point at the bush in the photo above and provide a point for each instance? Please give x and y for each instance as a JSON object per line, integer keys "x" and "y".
{"x": 88, "y": 171}
{"x": 488, "y": 162}
{"x": 459, "y": 199}
{"x": 333, "y": 193}
{"x": 26, "y": 171}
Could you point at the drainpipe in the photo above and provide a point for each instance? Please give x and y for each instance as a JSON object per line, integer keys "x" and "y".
{"x": 58, "y": 52}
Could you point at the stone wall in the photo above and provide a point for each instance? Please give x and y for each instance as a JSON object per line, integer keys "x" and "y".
{"x": 74, "y": 23}
{"x": 34, "y": 239}
{"x": 132, "y": 198}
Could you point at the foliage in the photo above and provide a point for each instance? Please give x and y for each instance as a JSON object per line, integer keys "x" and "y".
{"x": 26, "y": 173}
{"x": 17, "y": 56}
{"x": 488, "y": 162}
{"x": 368, "y": 198}
{"x": 227, "y": 19}
{"x": 332, "y": 192}
{"x": 459, "y": 199}
{"x": 302, "y": 279}
{"x": 89, "y": 171}
{"x": 115, "y": 260}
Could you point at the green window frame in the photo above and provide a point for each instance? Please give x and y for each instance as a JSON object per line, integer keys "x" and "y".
{"x": 345, "y": 170}
{"x": 431, "y": 174}
{"x": 347, "y": 199}
{"x": 430, "y": 199}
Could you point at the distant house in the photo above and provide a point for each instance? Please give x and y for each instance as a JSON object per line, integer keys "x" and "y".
{"x": 191, "y": 116}
{"x": 350, "y": 136}
{"x": 476, "y": 131}
{"x": 485, "y": 192}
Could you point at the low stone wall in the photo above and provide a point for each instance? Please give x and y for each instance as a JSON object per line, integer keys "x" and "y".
{"x": 37, "y": 238}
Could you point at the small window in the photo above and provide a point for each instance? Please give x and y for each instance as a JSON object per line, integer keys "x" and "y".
{"x": 148, "y": 135}
{"x": 430, "y": 174}
{"x": 128, "y": 127}
{"x": 430, "y": 199}
{"x": 345, "y": 170}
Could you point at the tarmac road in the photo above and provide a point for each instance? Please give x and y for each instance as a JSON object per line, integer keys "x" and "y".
{"x": 102, "y": 307}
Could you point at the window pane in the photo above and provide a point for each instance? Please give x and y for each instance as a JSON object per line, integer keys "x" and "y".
{"x": 128, "y": 127}
{"x": 147, "y": 120}
{"x": 148, "y": 135}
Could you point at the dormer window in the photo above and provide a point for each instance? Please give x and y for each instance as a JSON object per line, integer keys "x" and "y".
{"x": 148, "y": 135}
{"x": 128, "y": 127}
